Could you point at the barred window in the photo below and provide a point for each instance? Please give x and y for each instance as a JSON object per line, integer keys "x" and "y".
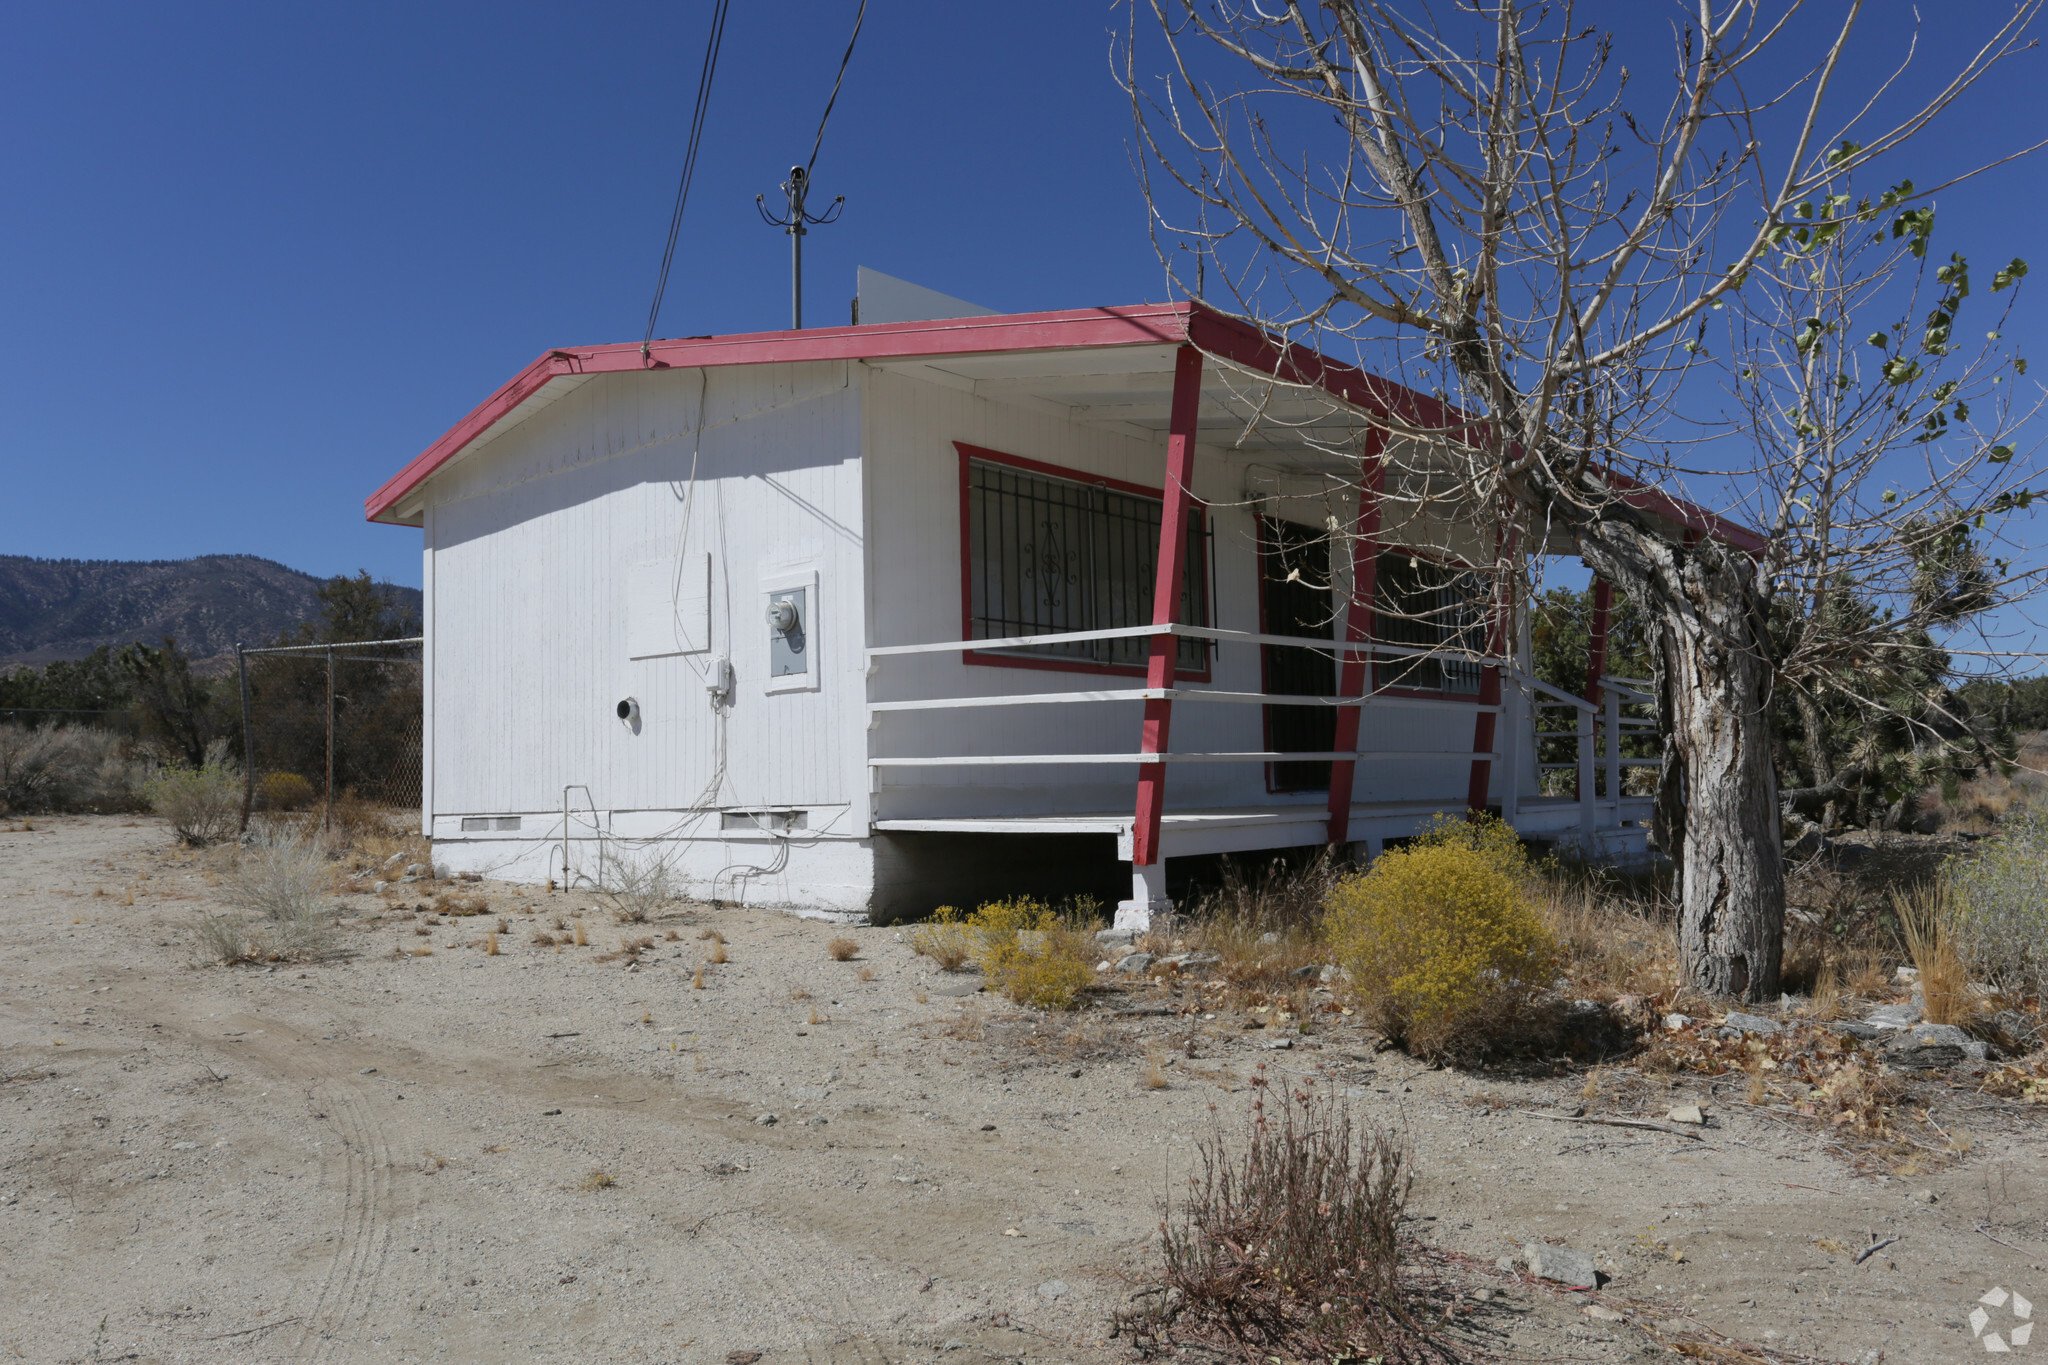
{"x": 1425, "y": 605}
{"x": 1048, "y": 555}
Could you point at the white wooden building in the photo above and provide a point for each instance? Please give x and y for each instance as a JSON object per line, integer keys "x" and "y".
{"x": 732, "y": 602}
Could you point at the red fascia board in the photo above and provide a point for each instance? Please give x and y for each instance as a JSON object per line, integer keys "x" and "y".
{"x": 1073, "y": 329}
{"x": 1246, "y": 345}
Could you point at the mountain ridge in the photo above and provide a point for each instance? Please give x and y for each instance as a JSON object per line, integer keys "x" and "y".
{"x": 54, "y": 609}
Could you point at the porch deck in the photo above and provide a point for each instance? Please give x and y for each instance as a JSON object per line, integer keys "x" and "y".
{"x": 1618, "y": 831}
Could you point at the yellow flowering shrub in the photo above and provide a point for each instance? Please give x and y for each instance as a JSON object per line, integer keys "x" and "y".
{"x": 1028, "y": 953}
{"x": 1442, "y": 938}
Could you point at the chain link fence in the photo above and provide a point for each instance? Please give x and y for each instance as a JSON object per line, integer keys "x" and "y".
{"x": 332, "y": 724}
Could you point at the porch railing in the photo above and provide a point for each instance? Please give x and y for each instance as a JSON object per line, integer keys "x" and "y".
{"x": 1478, "y": 756}
{"x": 1598, "y": 730}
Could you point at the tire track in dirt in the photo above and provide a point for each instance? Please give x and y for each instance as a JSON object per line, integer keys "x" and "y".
{"x": 349, "y": 1291}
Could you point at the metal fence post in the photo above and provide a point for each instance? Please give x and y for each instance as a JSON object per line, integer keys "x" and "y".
{"x": 248, "y": 740}
{"x": 327, "y": 818}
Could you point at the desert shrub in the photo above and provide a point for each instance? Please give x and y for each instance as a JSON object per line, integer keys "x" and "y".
{"x": 203, "y": 804}
{"x": 943, "y": 939}
{"x": 1999, "y": 901}
{"x": 282, "y": 886}
{"x": 636, "y": 888}
{"x": 67, "y": 768}
{"x": 1289, "y": 1242}
{"x": 842, "y": 950}
{"x": 284, "y": 791}
{"x": 1443, "y": 941}
{"x": 1029, "y": 953}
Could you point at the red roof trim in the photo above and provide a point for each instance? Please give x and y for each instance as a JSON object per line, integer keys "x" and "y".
{"x": 1073, "y": 329}
{"x": 1144, "y": 325}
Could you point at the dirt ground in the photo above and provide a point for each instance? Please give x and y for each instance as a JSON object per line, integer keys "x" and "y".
{"x": 539, "y": 1156}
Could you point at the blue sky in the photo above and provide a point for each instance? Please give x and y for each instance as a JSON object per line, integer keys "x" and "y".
{"x": 252, "y": 259}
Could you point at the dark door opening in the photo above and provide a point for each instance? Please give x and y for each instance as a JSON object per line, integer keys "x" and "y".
{"x": 1295, "y": 598}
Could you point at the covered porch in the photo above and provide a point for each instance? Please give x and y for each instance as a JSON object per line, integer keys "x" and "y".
{"x": 1291, "y": 419}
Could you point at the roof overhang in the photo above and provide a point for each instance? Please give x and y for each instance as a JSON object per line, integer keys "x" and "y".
{"x": 1106, "y": 367}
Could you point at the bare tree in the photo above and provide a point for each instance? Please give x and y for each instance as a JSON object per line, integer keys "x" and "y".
{"x": 1481, "y": 201}
{"x": 1889, "y": 475}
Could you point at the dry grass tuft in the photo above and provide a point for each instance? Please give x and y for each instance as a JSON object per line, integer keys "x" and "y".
{"x": 968, "y": 1025}
{"x": 944, "y": 940}
{"x": 815, "y": 1017}
{"x": 582, "y": 939}
{"x": 460, "y": 907}
{"x": 491, "y": 944}
{"x": 597, "y": 1180}
{"x": 1264, "y": 927}
{"x": 1155, "y": 1068}
{"x": 718, "y": 953}
{"x": 800, "y": 993}
{"x": 1925, "y": 925}
{"x": 1827, "y": 993}
{"x": 697, "y": 981}
{"x": 866, "y": 974}
{"x": 629, "y": 951}
{"x": 710, "y": 936}
{"x": 672, "y": 936}
{"x": 542, "y": 939}
{"x": 842, "y": 949}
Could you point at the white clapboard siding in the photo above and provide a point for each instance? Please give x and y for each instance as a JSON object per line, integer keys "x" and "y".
{"x": 540, "y": 540}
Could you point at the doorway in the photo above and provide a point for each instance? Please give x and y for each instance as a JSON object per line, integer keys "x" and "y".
{"x": 1296, "y": 598}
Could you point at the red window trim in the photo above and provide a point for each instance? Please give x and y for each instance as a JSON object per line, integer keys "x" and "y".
{"x": 968, "y": 454}
{"x": 1418, "y": 693}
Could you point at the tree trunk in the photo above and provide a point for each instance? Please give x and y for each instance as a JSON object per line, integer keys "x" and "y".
{"x": 1714, "y": 680}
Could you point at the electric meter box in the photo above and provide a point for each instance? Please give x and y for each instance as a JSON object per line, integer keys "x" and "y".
{"x": 789, "y": 619}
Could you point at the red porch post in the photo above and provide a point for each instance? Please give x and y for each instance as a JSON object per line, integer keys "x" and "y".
{"x": 1484, "y": 724}
{"x": 1173, "y": 544}
{"x": 1354, "y": 676}
{"x": 1603, "y": 616}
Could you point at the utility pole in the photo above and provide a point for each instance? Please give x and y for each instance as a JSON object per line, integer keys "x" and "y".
{"x": 794, "y": 223}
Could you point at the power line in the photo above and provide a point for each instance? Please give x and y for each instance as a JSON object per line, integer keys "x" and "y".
{"x": 798, "y": 221}
{"x": 675, "y": 222}
{"x": 826, "y": 117}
